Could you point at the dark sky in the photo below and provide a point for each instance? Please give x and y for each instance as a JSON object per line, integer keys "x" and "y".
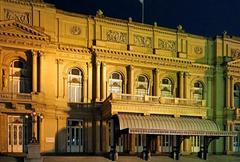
{"x": 202, "y": 17}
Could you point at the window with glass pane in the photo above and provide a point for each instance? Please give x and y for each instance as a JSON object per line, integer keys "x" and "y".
{"x": 142, "y": 86}
{"x": 19, "y": 80}
{"x": 198, "y": 91}
{"x": 115, "y": 83}
{"x": 237, "y": 95}
{"x": 75, "y": 85}
{"x": 166, "y": 87}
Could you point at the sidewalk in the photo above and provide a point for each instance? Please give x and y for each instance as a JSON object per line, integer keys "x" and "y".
{"x": 191, "y": 158}
{"x": 212, "y": 158}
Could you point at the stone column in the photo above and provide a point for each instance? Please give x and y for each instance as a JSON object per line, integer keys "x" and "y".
{"x": 232, "y": 91}
{"x": 181, "y": 88}
{"x": 97, "y": 136}
{"x": 89, "y": 65}
{"x": 103, "y": 82}
{"x": 105, "y": 136}
{"x": 85, "y": 86}
{"x": 132, "y": 143}
{"x": 228, "y": 91}
{"x": 34, "y": 71}
{"x": 98, "y": 88}
{"x": 158, "y": 143}
{"x": 130, "y": 88}
{"x": 41, "y": 140}
{"x": 227, "y": 144}
{"x": 156, "y": 83}
{"x": 186, "y": 145}
{"x": 42, "y": 70}
{"x": 186, "y": 82}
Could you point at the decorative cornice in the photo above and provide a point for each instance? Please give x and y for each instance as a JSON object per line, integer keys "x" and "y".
{"x": 138, "y": 58}
{"x": 38, "y": 3}
{"x": 72, "y": 49}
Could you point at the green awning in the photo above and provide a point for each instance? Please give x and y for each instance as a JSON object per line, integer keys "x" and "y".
{"x": 138, "y": 124}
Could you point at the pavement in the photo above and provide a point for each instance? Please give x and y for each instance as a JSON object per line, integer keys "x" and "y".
{"x": 190, "y": 158}
{"x": 212, "y": 158}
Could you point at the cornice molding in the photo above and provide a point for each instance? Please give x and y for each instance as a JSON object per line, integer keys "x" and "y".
{"x": 147, "y": 59}
{"x": 27, "y": 3}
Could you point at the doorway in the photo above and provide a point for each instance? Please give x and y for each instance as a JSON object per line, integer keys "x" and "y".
{"x": 74, "y": 135}
{"x": 15, "y": 134}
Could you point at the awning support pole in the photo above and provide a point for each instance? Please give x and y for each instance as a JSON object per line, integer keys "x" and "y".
{"x": 176, "y": 147}
{"x": 203, "y": 153}
{"x": 146, "y": 148}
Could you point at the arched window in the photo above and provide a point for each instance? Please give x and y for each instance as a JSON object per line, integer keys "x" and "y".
{"x": 198, "y": 91}
{"x": 115, "y": 83}
{"x": 75, "y": 85}
{"x": 237, "y": 95}
{"x": 166, "y": 87}
{"x": 19, "y": 80}
{"x": 142, "y": 85}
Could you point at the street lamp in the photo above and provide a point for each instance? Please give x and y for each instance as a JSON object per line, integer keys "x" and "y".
{"x": 33, "y": 121}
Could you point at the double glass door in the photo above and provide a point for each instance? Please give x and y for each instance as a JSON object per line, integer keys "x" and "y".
{"x": 75, "y": 135}
{"x": 195, "y": 143}
{"x": 236, "y": 141}
{"x": 15, "y": 134}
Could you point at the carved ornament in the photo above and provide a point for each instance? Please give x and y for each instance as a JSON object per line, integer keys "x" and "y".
{"x": 75, "y": 30}
{"x": 143, "y": 41}
{"x": 115, "y": 36}
{"x": 235, "y": 52}
{"x": 168, "y": 45}
{"x": 198, "y": 50}
{"x": 22, "y": 17}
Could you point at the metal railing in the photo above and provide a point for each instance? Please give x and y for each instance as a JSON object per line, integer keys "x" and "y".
{"x": 159, "y": 100}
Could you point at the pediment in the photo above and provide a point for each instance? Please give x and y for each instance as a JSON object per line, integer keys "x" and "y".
{"x": 12, "y": 28}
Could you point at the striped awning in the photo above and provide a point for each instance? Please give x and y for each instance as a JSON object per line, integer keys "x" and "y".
{"x": 137, "y": 124}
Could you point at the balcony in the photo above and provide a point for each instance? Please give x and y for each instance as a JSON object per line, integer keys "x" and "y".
{"x": 155, "y": 105}
{"x": 18, "y": 97}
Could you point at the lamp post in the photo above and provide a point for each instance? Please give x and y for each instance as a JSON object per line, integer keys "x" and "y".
{"x": 34, "y": 116}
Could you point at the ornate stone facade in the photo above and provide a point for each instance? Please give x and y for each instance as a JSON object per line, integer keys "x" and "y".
{"x": 82, "y": 71}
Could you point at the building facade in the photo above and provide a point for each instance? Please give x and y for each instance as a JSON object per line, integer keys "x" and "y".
{"x": 90, "y": 84}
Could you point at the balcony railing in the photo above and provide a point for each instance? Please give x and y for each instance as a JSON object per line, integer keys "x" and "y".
{"x": 15, "y": 96}
{"x": 159, "y": 100}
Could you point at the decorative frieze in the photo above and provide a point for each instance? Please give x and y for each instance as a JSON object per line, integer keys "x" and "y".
{"x": 22, "y": 17}
{"x": 198, "y": 50}
{"x": 143, "y": 41}
{"x": 168, "y": 45}
{"x": 75, "y": 30}
{"x": 115, "y": 36}
{"x": 235, "y": 52}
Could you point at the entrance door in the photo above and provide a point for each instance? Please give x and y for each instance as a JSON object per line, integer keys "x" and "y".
{"x": 166, "y": 143}
{"x": 139, "y": 143}
{"x": 236, "y": 142}
{"x": 195, "y": 143}
{"x": 75, "y": 135}
{"x": 15, "y": 134}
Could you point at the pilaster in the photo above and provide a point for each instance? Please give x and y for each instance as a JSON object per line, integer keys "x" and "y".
{"x": 103, "y": 82}
{"x": 89, "y": 66}
{"x": 181, "y": 88}
{"x": 156, "y": 83}
{"x": 130, "y": 84}
{"x": 34, "y": 71}
{"x": 98, "y": 88}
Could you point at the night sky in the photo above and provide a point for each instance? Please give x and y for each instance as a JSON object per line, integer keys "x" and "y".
{"x": 202, "y": 17}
